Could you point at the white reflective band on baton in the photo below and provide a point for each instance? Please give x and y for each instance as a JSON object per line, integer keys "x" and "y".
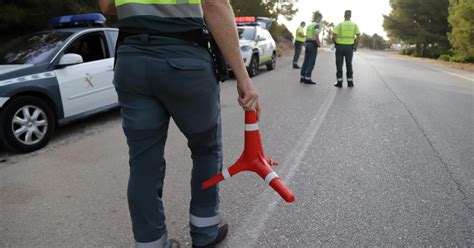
{"x": 226, "y": 174}
{"x": 270, "y": 177}
{"x": 204, "y": 221}
{"x": 251, "y": 127}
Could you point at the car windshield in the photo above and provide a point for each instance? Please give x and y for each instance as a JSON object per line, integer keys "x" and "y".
{"x": 246, "y": 33}
{"x": 32, "y": 48}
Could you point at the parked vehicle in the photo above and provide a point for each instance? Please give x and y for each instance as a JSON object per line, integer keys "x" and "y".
{"x": 51, "y": 78}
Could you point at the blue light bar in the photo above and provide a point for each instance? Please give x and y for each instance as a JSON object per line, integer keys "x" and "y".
{"x": 88, "y": 20}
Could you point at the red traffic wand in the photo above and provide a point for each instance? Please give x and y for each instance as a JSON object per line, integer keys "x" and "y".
{"x": 253, "y": 159}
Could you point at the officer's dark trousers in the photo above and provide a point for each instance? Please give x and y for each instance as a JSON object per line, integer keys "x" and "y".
{"x": 298, "y": 48}
{"x": 344, "y": 51}
{"x": 311, "y": 52}
{"x": 157, "y": 79}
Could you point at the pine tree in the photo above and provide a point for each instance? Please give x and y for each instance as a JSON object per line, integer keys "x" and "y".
{"x": 461, "y": 18}
{"x": 420, "y": 22}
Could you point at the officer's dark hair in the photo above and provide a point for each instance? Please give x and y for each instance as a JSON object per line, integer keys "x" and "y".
{"x": 317, "y": 14}
{"x": 302, "y": 23}
{"x": 348, "y": 14}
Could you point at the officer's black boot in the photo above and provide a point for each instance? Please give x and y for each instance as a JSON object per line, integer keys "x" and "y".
{"x": 350, "y": 84}
{"x": 221, "y": 235}
{"x": 338, "y": 85}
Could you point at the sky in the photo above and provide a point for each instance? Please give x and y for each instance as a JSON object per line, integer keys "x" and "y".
{"x": 365, "y": 13}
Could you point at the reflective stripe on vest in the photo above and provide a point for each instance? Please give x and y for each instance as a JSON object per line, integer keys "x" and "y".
{"x": 161, "y": 8}
{"x": 120, "y": 2}
{"x": 310, "y": 31}
{"x": 347, "y": 31}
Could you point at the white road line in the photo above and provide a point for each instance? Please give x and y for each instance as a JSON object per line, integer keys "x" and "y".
{"x": 448, "y": 72}
{"x": 247, "y": 234}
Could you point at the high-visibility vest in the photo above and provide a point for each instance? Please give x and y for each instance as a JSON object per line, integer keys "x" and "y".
{"x": 346, "y": 32}
{"x": 159, "y": 15}
{"x": 300, "y": 34}
{"x": 310, "y": 30}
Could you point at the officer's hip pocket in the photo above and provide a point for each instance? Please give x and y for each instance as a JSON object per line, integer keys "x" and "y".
{"x": 188, "y": 64}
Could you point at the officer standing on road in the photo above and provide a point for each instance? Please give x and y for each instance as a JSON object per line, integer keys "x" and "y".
{"x": 163, "y": 70}
{"x": 311, "y": 49}
{"x": 299, "y": 42}
{"x": 347, "y": 38}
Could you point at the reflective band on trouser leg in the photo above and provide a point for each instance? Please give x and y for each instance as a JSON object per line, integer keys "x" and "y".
{"x": 204, "y": 221}
{"x": 251, "y": 127}
{"x": 272, "y": 175}
{"x": 340, "y": 80}
{"x": 350, "y": 79}
{"x": 159, "y": 243}
{"x": 161, "y": 10}
{"x": 121, "y": 2}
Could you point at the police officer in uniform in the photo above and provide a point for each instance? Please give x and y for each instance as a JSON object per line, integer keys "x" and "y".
{"x": 311, "y": 49}
{"x": 164, "y": 70}
{"x": 299, "y": 42}
{"x": 347, "y": 38}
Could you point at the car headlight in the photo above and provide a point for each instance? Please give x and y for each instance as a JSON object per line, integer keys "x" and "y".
{"x": 245, "y": 48}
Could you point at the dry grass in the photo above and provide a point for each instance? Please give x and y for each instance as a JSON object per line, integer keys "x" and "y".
{"x": 461, "y": 66}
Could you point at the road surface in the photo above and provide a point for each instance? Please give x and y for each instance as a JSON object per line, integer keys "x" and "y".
{"x": 387, "y": 163}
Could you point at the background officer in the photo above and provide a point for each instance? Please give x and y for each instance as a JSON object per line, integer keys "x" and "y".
{"x": 299, "y": 42}
{"x": 311, "y": 49}
{"x": 347, "y": 38}
{"x": 161, "y": 73}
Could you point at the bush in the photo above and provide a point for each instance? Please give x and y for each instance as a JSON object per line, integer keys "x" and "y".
{"x": 410, "y": 51}
{"x": 455, "y": 58}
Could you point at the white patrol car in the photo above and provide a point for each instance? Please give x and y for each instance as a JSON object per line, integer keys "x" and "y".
{"x": 54, "y": 77}
{"x": 256, "y": 44}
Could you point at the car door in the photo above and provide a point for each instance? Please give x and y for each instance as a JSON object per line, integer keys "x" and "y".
{"x": 268, "y": 46}
{"x": 87, "y": 87}
{"x": 261, "y": 44}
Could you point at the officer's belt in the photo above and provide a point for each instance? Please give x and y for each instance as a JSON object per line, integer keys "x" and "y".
{"x": 198, "y": 36}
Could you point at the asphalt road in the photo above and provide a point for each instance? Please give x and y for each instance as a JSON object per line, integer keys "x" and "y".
{"x": 387, "y": 163}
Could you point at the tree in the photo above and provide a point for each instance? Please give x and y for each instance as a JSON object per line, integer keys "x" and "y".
{"x": 375, "y": 42}
{"x": 327, "y": 28}
{"x": 267, "y": 8}
{"x": 461, "y": 18}
{"x": 419, "y": 22}
{"x": 20, "y": 17}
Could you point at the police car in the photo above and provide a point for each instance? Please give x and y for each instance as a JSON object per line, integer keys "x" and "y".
{"x": 53, "y": 77}
{"x": 256, "y": 44}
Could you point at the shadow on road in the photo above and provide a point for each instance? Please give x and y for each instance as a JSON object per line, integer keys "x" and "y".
{"x": 71, "y": 133}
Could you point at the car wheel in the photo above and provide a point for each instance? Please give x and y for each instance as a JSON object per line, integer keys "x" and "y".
{"x": 272, "y": 64}
{"x": 253, "y": 67}
{"x": 26, "y": 124}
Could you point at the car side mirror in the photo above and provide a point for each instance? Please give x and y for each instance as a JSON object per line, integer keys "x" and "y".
{"x": 70, "y": 59}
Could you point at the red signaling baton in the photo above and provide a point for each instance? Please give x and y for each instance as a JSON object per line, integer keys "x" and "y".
{"x": 253, "y": 159}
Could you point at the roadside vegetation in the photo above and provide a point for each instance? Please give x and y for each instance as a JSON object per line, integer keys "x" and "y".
{"x": 26, "y": 16}
{"x": 439, "y": 29}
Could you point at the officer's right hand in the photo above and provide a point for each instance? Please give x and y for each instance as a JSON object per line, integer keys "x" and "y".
{"x": 248, "y": 96}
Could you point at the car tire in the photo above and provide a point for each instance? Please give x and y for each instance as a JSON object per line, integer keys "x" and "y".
{"x": 253, "y": 66}
{"x": 272, "y": 64}
{"x": 26, "y": 124}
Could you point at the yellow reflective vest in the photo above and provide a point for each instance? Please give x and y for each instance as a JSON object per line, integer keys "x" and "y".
{"x": 346, "y": 33}
{"x": 300, "y": 34}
